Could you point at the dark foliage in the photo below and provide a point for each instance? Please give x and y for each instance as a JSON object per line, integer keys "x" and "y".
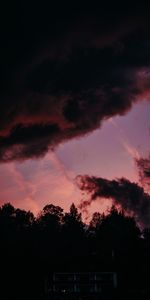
{"x": 32, "y": 248}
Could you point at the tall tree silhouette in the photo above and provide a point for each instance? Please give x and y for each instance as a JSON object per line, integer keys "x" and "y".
{"x": 73, "y": 234}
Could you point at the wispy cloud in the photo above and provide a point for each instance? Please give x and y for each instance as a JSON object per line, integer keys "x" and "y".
{"x": 31, "y": 186}
{"x": 130, "y": 149}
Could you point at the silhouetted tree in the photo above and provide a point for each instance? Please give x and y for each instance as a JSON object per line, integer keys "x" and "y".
{"x": 23, "y": 219}
{"x": 7, "y": 214}
{"x": 48, "y": 230}
{"x": 51, "y": 216}
{"x": 73, "y": 233}
{"x": 61, "y": 241}
{"x": 96, "y": 221}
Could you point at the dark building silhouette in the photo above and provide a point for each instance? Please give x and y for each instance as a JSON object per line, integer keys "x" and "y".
{"x": 76, "y": 285}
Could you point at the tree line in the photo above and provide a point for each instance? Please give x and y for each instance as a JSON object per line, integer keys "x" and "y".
{"x": 31, "y": 248}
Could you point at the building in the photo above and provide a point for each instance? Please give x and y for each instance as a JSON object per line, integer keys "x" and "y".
{"x": 80, "y": 284}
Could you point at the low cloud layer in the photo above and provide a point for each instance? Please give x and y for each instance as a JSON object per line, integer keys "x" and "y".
{"x": 63, "y": 74}
{"x": 125, "y": 194}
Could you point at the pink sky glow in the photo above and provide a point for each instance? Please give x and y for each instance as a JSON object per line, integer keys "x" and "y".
{"x": 108, "y": 152}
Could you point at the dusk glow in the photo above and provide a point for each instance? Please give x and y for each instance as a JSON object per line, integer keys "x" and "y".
{"x": 109, "y": 151}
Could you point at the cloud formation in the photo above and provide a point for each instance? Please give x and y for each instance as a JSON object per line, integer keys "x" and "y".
{"x": 143, "y": 165}
{"x": 124, "y": 194}
{"x": 63, "y": 76}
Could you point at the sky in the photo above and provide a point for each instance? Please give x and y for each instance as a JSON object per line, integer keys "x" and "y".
{"x": 74, "y": 97}
{"x": 109, "y": 151}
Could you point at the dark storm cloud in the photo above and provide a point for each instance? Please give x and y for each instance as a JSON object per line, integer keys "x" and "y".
{"x": 62, "y": 74}
{"x": 125, "y": 194}
{"x": 143, "y": 165}
{"x": 30, "y": 141}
